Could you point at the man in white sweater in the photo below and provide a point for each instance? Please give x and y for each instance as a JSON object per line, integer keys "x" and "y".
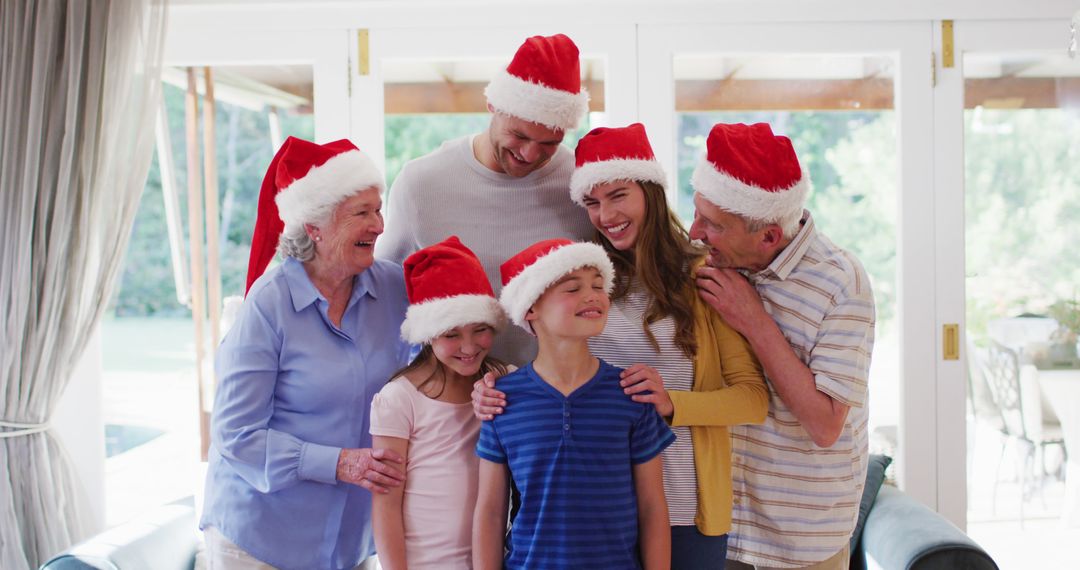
{"x": 505, "y": 188}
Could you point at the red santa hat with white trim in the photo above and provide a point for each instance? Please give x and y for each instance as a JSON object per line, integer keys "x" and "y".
{"x": 447, "y": 288}
{"x": 304, "y": 182}
{"x": 531, "y": 271}
{"x": 751, "y": 172}
{"x": 609, "y": 154}
{"x": 542, "y": 84}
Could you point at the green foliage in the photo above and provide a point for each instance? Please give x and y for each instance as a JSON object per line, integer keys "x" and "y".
{"x": 243, "y": 152}
{"x": 413, "y": 136}
{"x": 1022, "y": 201}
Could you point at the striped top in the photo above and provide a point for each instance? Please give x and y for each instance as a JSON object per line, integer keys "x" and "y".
{"x": 449, "y": 192}
{"x": 796, "y": 503}
{"x": 572, "y": 460}
{"x": 623, "y": 343}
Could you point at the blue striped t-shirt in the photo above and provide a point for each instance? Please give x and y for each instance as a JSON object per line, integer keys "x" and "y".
{"x": 572, "y": 460}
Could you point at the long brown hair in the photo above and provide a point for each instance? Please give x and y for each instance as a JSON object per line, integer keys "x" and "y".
{"x": 661, "y": 259}
{"x": 427, "y": 354}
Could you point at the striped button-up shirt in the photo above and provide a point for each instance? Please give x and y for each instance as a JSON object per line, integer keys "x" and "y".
{"x": 796, "y": 503}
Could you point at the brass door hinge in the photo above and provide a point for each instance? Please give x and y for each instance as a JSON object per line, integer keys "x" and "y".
{"x": 948, "y": 54}
{"x": 363, "y": 52}
{"x": 950, "y": 341}
{"x": 933, "y": 69}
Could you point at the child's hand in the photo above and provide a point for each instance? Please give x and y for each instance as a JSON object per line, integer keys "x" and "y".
{"x": 644, "y": 384}
{"x": 487, "y": 402}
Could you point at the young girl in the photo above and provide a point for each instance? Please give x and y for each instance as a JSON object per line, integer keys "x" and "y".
{"x": 424, "y": 412}
{"x": 678, "y": 354}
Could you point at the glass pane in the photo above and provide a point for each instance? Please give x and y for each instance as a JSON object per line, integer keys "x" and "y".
{"x": 150, "y": 408}
{"x": 1022, "y": 200}
{"x": 838, "y": 111}
{"x": 428, "y": 102}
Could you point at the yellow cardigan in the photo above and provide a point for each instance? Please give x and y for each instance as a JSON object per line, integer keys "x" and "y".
{"x": 729, "y": 389}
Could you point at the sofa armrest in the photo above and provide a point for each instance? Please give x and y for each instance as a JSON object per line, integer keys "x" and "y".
{"x": 162, "y": 539}
{"x": 903, "y": 534}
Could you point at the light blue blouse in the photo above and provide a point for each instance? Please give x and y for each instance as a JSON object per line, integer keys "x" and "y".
{"x": 293, "y": 390}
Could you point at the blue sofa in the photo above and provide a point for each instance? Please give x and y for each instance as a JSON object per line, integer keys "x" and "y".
{"x": 164, "y": 539}
{"x": 903, "y": 534}
{"x": 899, "y": 533}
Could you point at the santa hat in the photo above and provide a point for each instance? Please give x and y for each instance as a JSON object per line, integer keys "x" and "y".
{"x": 608, "y": 154}
{"x": 528, "y": 274}
{"x": 542, "y": 84}
{"x": 303, "y": 183}
{"x": 751, "y": 172}
{"x": 447, "y": 288}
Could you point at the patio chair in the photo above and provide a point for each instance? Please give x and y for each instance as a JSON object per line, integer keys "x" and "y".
{"x": 1001, "y": 371}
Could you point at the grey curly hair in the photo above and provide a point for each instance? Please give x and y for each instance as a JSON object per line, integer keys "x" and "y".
{"x": 295, "y": 241}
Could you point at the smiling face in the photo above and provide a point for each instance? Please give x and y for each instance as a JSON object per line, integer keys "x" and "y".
{"x": 521, "y": 147}
{"x": 347, "y": 242}
{"x": 463, "y": 349}
{"x": 730, "y": 244}
{"x": 575, "y": 306}
{"x": 617, "y": 210}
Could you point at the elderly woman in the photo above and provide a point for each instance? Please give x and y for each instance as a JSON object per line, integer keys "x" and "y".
{"x": 291, "y": 467}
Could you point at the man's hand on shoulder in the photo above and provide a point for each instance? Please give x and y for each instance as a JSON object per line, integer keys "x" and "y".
{"x": 734, "y": 298}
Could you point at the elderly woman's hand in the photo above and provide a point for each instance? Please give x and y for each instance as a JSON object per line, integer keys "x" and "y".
{"x": 370, "y": 469}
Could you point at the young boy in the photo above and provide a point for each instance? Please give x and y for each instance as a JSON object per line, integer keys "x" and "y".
{"x": 584, "y": 457}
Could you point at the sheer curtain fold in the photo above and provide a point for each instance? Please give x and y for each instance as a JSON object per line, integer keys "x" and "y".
{"x": 79, "y": 86}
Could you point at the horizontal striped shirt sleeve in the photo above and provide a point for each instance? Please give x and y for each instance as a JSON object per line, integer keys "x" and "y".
{"x": 488, "y": 446}
{"x": 840, "y": 359}
{"x": 650, "y": 436}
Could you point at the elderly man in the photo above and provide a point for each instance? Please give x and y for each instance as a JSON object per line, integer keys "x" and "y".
{"x": 505, "y": 188}
{"x": 806, "y": 307}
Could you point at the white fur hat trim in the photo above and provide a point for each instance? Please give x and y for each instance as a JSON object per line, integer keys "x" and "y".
{"x": 521, "y": 293}
{"x": 325, "y": 185}
{"x": 553, "y": 108}
{"x": 591, "y": 174}
{"x": 427, "y": 320}
{"x": 734, "y": 195}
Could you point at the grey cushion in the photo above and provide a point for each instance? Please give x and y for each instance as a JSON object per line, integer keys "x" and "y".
{"x": 163, "y": 539}
{"x": 902, "y": 533}
{"x": 875, "y": 476}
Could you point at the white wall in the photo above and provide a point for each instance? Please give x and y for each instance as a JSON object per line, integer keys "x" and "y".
{"x": 79, "y": 424}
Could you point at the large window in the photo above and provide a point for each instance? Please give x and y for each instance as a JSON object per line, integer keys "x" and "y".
{"x": 148, "y": 344}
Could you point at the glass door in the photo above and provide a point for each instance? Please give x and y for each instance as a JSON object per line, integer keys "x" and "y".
{"x": 1014, "y": 104}
{"x": 856, "y": 101}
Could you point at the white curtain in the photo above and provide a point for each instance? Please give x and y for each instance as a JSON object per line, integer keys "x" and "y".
{"x": 79, "y": 86}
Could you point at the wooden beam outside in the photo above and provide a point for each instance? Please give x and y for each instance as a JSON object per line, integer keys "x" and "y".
{"x": 1022, "y": 93}
{"x": 784, "y": 95}
{"x": 873, "y": 94}
{"x": 460, "y": 97}
{"x": 195, "y": 233}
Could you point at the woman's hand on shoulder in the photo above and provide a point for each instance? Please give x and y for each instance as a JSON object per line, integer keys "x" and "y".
{"x": 371, "y": 468}
{"x": 487, "y": 402}
{"x": 644, "y": 384}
